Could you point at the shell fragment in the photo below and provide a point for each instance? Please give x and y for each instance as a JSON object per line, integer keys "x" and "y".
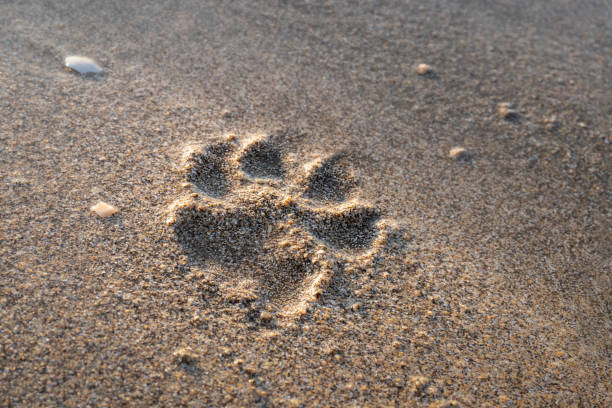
{"x": 104, "y": 210}
{"x": 82, "y": 65}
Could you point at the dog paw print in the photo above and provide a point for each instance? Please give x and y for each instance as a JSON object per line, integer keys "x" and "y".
{"x": 276, "y": 227}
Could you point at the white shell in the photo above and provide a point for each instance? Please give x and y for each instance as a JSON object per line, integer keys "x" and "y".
{"x": 82, "y": 65}
{"x": 104, "y": 210}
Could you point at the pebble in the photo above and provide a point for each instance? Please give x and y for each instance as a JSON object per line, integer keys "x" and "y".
{"x": 103, "y": 209}
{"x": 184, "y": 356}
{"x": 551, "y": 122}
{"x": 423, "y": 69}
{"x": 82, "y": 65}
{"x": 506, "y": 111}
{"x": 459, "y": 153}
{"x": 266, "y": 316}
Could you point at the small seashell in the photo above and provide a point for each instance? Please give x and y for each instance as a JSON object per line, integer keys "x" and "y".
{"x": 104, "y": 210}
{"x": 82, "y": 65}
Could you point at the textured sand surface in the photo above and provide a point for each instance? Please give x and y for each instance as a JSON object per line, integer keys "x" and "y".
{"x": 293, "y": 228}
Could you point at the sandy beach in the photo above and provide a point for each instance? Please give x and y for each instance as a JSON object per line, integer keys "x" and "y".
{"x": 306, "y": 204}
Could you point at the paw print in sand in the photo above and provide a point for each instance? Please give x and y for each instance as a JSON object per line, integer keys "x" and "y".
{"x": 272, "y": 224}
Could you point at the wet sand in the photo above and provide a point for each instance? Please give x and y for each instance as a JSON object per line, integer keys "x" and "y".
{"x": 295, "y": 225}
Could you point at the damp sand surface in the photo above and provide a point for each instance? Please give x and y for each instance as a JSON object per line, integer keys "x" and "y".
{"x": 292, "y": 223}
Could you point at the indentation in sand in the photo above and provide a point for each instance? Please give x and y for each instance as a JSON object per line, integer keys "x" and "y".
{"x": 329, "y": 179}
{"x": 207, "y": 169}
{"x": 256, "y": 224}
{"x": 262, "y": 159}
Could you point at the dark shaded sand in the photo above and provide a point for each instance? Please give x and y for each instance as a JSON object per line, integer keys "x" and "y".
{"x": 330, "y": 252}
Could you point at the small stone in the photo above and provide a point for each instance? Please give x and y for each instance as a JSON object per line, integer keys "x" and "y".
{"x": 431, "y": 390}
{"x": 82, "y": 65}
{"x": 19, "y": 181}
{"x": 184, "y": 356}
{"x": 423, "y": 69}
{"x": 250, "y": 370}
{"x": 265, "y": 316}
{"x": 551, "y": 122}
{"x": 104, "y": 210}
{"x": 418, "y": 385}
{"x": 293, "y": 402}
{"x": 506, "y": 111}
{"x": 195, "y": 320}
{"x": 459, "y": 153}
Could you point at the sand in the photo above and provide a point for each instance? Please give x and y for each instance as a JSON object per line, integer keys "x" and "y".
{"x": 290, "y": 228}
